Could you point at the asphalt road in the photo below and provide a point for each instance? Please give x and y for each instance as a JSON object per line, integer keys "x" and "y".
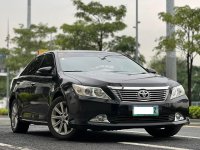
{"x": 39, "y": 138}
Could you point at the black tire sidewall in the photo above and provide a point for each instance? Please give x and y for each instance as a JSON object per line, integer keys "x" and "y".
{"x": 11, "y": 111}
{"x": 167, "y": 132}
{"x": 21, "y": 127}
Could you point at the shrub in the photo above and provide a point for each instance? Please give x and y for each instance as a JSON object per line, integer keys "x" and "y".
{"x": 3, "y": 111}
{"x": 194, "y": 112}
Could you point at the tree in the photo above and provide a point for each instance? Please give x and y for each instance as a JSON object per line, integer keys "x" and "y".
{"x": 102, "y": 21}
{"x": 158, "y": 64}
{"x": 186, "y": 37}
{"x": 27, "y": 42}
{"x": 3, "y": 53}
{"x": 75, "y": 37}
{"x": 126, "y": 45}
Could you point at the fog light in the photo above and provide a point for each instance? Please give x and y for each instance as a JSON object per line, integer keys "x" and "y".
{"x": 178, "y": 117}
{"x": 102, "y": 118}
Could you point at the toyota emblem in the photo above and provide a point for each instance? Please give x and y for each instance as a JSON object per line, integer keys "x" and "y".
{"x": 143, "y": 94}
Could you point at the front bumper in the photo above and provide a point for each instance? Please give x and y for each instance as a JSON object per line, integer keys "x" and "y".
{"x": 119, "y": 114}
{"x": 118, "y": 126}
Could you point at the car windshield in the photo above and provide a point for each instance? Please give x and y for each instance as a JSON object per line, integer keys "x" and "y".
{"x": 84, "y": 62}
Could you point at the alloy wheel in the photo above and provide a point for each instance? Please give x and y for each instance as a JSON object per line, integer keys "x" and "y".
{"x": 14, "y": 116}
{"x": 60, "y": 119}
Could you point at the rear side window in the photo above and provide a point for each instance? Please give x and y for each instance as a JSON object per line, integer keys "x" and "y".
{"x": 33, "y": 66}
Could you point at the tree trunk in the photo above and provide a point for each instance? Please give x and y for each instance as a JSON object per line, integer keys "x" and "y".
{"x": 189, "y": 73}
{"x": 100, "y": 42}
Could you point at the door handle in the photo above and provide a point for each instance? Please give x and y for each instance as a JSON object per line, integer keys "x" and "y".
{"x": 32, "y": 84}
{"x": 18, "y": 82}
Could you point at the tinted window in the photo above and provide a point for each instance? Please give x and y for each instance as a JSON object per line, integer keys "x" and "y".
{"x": 99, "y": 62}
{"x": 48, "y": 61}
{"x": 33, "y": 66}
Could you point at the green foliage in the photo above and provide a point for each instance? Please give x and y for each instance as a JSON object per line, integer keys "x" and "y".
{"x": 103, "y": 21}
{"x": 4, "y": 52}
{"x": 186, "y": 38}
{"x": 77, "y": 37}
{"x": 126, "y": 45}
{"x": 3, "y": 111}
{"x": 27, "y": 42}
{"x": 159, "y": 65}
{"x": 194, "y": 112}
{"x": 2, "y": 87}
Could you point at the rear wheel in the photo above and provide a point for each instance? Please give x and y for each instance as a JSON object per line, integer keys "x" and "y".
{"x": 58, "y": 120}
{"x": 167, "y": 131}
{"x": 17, "y": 125}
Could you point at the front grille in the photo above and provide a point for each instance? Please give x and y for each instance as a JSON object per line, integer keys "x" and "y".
{"x": 133, "y": 95}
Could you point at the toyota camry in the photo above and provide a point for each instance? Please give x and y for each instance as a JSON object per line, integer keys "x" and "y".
{"x": 74, "y": 91}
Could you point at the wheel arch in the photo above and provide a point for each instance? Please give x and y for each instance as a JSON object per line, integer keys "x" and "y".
{"x": 57, "y": 94}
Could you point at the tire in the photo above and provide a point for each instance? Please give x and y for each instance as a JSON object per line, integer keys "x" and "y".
{"x": 167, "y": 131}
{"x": 58, "y": 119}
{"x": 17, "y": 125}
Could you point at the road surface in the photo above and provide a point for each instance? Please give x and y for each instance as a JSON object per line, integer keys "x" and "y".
{"x": 39, "y": 138}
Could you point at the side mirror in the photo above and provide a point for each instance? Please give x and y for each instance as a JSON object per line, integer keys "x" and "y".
{"x": 149, "y": 70}
{"x": 45, "y": 71}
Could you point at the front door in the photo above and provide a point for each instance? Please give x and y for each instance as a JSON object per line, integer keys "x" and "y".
{"x": 41, "y": 90}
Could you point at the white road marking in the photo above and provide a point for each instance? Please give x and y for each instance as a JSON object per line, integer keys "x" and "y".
{"x": 5, "y": 119}
{"x": 191, "y": 126}
{"x": 13, "y": 147}
{"x": 153, "y": 146}
{"x": 182, "y": 136}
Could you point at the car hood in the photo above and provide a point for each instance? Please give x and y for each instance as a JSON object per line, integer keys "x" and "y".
{"x": 120, "y": 79}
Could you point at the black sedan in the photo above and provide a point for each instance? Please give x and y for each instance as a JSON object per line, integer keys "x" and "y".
{"x": 73, "y": 91}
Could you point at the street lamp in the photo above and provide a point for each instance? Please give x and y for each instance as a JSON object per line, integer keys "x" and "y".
{"x": 29, "y": 14}
{"x": 136, "y": 27}
{"x": 171, "y": 70}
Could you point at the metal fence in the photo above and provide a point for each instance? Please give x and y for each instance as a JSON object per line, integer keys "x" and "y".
{"x": 196, "y": 103}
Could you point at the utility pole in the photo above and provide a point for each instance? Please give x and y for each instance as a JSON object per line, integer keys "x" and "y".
{"x": 7, "y": 70}
{"x": 29, "y": 14}
{"x": 8, "y": 35}
{"x": 171, "y": 70}
{"x": 136, "y": 29}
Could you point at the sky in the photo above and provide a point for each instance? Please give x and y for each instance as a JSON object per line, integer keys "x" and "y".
{"x": 57, "y": 12}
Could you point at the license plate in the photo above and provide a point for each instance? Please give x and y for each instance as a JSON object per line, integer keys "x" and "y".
{"x": 145, "y": 111}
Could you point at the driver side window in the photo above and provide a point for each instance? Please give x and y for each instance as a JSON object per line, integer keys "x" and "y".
{"x": 33, "y": 66}
{"x": 48, "y": 61}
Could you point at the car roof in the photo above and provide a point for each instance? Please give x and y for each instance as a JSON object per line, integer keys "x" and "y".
{"x": 82, "y": 51}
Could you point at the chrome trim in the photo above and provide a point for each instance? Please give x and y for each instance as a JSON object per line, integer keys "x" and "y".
{"x": 34, "y": 121}
{"x": 142, "y": 101}
{"x": 155, "y": 94}
{"x": 115, "y": 87}
{"x": 138, "y": 88}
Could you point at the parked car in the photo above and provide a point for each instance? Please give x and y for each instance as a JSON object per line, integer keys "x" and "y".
{"x": 73, "y": 91}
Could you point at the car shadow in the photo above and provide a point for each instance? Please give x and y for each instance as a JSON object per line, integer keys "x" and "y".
{"x": 106, "y": 137}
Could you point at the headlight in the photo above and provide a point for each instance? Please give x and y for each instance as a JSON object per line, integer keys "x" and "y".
{"x": 90, "y": 91}
{"x": 177, "y": 91}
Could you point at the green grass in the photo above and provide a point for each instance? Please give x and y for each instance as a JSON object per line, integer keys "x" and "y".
{"x": 3, "y": 111}
{"x": 195, "y": 112}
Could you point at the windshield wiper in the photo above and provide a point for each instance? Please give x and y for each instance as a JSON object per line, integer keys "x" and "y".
{"x": 137, "y": 73}
{"x": 73, "y": 71}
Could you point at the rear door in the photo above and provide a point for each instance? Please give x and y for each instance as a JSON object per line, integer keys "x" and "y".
{"x": 25, "y": 86}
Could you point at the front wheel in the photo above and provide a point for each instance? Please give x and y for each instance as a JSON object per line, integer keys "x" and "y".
{"x": 58, "y": 120}
{"x": 167, "y": 131}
